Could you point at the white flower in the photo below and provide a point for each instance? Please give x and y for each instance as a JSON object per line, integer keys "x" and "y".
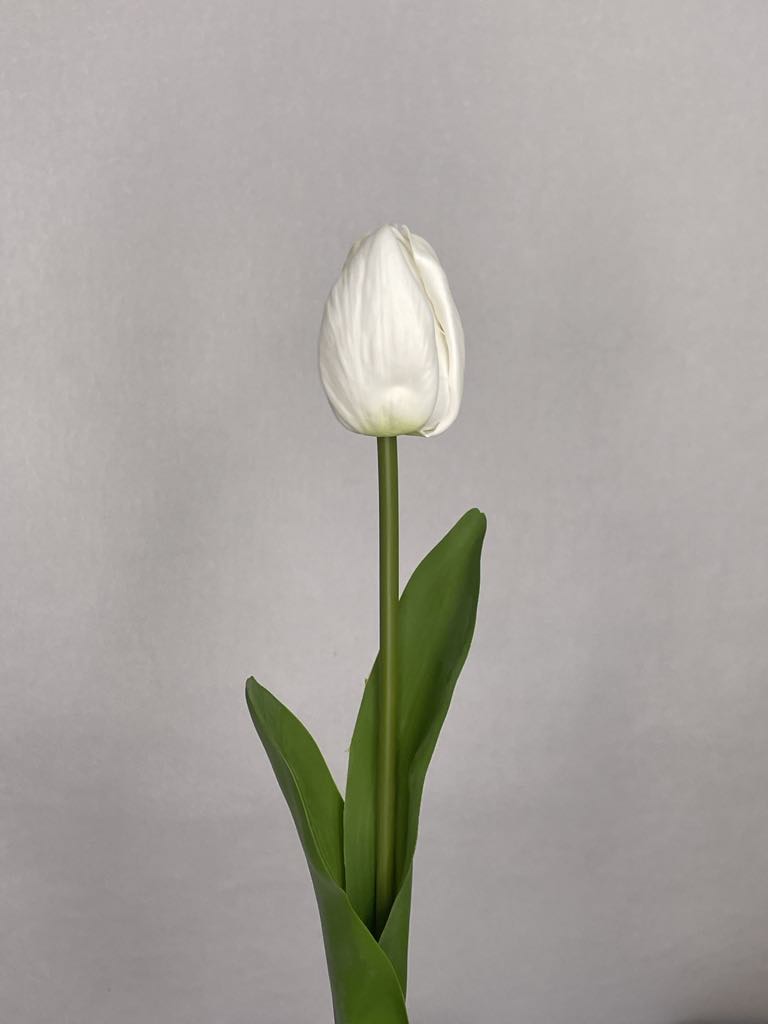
{"x": 391, "y": 347}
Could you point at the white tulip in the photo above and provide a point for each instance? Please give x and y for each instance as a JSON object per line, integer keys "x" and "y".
{"x": 391, "y": 347}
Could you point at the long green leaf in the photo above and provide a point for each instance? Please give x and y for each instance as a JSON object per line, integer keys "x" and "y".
{"x": 437, "y": 619}
{"x": 364, "y": 984}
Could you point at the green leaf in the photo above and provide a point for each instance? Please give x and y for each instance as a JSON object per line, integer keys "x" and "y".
{"x": 364, "y": 984}
{"x": 303, "y": 775}
{"x": 437, "y": 619}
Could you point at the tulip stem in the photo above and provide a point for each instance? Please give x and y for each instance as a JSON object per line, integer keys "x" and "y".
{"x": 386, "y": 754}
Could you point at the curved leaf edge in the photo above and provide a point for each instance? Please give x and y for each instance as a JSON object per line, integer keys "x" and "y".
{"x": 471, "y": 529}
{"x": 365, "y": 985}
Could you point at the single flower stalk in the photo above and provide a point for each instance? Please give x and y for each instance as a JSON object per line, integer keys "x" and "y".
{"x": 391, "y": 349}
{"x": 391, "y": 357}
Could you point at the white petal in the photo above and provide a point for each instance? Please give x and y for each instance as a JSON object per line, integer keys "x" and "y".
{"x": 449, "y": 335}
{"x": 378, "y": 361}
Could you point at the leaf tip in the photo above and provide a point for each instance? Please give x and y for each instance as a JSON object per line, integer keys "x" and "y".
{"x": 475, "y": 520}
{"x": 254, "y": 692}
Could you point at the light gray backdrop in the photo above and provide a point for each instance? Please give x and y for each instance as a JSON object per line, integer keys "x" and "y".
{"x": 180, "y": 183}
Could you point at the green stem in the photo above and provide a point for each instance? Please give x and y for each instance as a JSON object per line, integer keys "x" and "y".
{"x": 386, "y": 764}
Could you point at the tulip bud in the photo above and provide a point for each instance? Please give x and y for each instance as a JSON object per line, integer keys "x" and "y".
{"x": 391, "y": 346}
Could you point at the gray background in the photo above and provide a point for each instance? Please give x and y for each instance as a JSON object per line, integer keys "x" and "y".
{"x": 180, "y": 183}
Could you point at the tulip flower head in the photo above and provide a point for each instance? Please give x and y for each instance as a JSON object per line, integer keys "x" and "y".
{"x": 391, "y": 348}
